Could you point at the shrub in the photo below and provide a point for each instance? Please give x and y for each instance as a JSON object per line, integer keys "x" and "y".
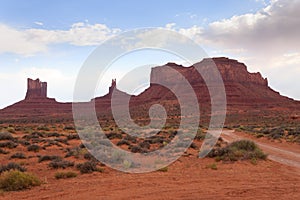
{"x": 10, "y": 145}
{"x": 47, "y": 158}
{"x": 43, "y": 128}
{"x": 73, "y": 137}
{"x": 11, "y": 166}
{"x": 18, "y": 155}
{"x": 212, "y": 166}
{"x": 16, "y": 180}
{"x": 114, "y": 136}
{"x": 34, "y": 148}
{"x": 55, "y": 164}
{"x": 239, "y": 150}
{"x": 64, "y": 175}
{"x": 164, "y": 169}
{"x": 6, "y": 136}
{"x": 123, "y": 142}
{"x": 69, "y": 128}
{"x": 88, "y": 167}
{"x": 2, "y": 151}
{"x": 11, "y": 130}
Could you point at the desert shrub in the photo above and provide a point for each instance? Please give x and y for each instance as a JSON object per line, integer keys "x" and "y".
{"x": 64, "y": 175}
{"x": 145, "y": 145}
{"x": 137, "y": 149}
{"x": 9, "y": 144}
{"x": 47, "y": 158}
{"x": 11, "y": 130}
{"x": 88, "y": 167}
{"x": 11, "y": 166}
{"x": 24, "y": 142}
{"x": 69, "y": 128}
{"x": 73, "y": 137}
{"x": 130, "y": 138}
{"x": 164, "y": 169}
{"x": 212, "y": 166}
{"x": 2, "y": 151}
{"x": 239, "y": 150}
{"x": 123, "y": 142}
{"x": 34, "y": 148}
{"x": 88, "y": 156}
{"x": 17, "y": 180}
{"x": 194, "y": 146}
{"x": 53, "y": 134}
{"x": 114, "y": 136}
{"x": 55, "y": 164}
{"x": 43, "y": 128}
{"x": 18, "y": 155}
{"x": 6, "y": 136}
{"x": 155, "y": 140}
{"x": 61, "y": 140}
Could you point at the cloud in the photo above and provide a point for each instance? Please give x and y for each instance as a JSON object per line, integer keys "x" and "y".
{"x": 32, "y": 41}
{"x": 39, "y": 23}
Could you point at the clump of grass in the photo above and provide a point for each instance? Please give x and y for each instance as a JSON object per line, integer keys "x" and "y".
{"x": 16, "y": 180}
{"x": 239, "y": 150}
{"x": 34, "y": 148}
{"x": 212, "y": 166}
{"x": 11, "y": 166}
{"x": 55, "y": 164}
{"x": 64, "y": 175}
{"x": 18, "y": 155}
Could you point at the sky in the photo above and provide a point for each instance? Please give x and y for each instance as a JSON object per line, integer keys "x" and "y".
{"x": 51, "y": 40}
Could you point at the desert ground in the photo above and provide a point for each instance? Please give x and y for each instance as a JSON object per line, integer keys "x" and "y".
{"x": 189, "y": 177}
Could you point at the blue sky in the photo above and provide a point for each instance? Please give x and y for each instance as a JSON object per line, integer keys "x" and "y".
{"x": 52, "y": 39}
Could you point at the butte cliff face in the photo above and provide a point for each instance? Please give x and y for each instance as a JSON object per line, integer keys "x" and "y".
{"x": 36, "y": 89}
{"x": 242, "y": 88}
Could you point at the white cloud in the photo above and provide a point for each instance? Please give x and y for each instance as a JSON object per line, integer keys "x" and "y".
{"x": 31, "y": 41}
{"x": 39, "y": 23}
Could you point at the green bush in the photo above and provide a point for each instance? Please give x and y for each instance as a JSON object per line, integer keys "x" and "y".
{"x": 239, "y": 150}
{"x": 64, "y": 175}
{"x": 16, "y": 180}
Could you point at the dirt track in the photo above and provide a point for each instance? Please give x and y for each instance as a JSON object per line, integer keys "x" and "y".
{"x": 287, "y": 154}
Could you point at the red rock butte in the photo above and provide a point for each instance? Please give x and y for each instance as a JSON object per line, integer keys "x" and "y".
{"x": 36, "y": 89}
{"x": 245, "y": 93}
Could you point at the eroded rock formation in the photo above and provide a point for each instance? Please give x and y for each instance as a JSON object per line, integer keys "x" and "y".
{"x": 36, "y": 89}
